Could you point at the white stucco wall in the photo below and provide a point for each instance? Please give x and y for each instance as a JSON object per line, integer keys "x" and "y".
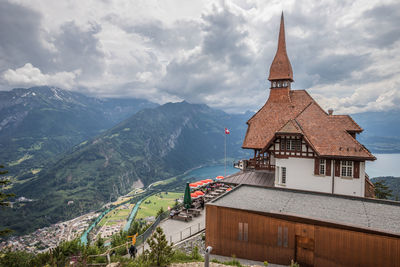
{"x": 351, "y": 186}
{"x": 300, "y": 175}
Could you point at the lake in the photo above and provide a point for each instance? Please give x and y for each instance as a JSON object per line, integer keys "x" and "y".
{"x": 209, "y": 172}
{"x": 385, "y": 165}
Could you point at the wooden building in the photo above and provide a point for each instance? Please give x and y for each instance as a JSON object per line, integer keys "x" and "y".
{"x": 301, "y": 144}
{"x": 312, "y": 228}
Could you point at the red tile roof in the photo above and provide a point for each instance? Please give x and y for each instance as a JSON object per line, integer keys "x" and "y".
{"x": 347, "y": 122}
{"x": 295, "y": 111}
{"x": 329, "y": 137}
{"x": 282, "y": 105}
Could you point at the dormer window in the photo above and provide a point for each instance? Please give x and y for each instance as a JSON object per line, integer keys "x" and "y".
{"x": 279, "y": 84}
{"x": 284, "y": 84}
{"x": 273, "y": 84}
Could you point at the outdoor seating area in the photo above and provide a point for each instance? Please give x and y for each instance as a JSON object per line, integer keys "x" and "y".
{"x": 196, "y": 195}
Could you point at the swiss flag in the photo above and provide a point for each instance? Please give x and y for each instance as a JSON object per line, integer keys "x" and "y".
{"x": 227, "y": 131}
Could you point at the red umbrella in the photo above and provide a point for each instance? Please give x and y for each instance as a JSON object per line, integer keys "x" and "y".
{"x": 193, "y": 185}
{"x": 199, "y": 193}
{"x": 209, "y": 180}
{"x": 219, "y": 177}
{"x": 205, "y": 182}
{"x": 229, "y": 189}
{"x": 200, "y": 183}
{"x": 194, "y": 196}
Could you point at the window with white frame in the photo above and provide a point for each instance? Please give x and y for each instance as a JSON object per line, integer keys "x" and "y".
{"x": 283, "y": 177}
{"x": 293, "y": 144}
{"x": 347, "y": 168}
{"x": 322, "y": 166}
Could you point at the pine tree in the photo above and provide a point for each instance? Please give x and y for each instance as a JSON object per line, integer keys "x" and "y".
{"x": 160, "y": 252}
{"x": 382, "y": 191}
{"x": 160, "y": 211}
{"x": 100, "y": 242}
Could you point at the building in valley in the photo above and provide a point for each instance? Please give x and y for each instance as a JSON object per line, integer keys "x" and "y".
{"x": 299, "y": 145}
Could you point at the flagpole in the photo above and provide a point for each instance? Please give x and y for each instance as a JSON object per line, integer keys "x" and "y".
{"x": 225, "y": 151}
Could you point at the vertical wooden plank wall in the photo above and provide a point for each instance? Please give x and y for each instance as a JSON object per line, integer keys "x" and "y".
{"x": 333, "y": 247}
{"x": 222, "y": 234}
{"x": 337, "y": 247}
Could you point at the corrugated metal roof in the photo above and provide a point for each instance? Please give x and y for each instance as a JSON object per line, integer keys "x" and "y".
{"x": 252, "y": 177}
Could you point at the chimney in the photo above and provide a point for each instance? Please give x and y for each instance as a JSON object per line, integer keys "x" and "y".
{"x": 330, "y": 111}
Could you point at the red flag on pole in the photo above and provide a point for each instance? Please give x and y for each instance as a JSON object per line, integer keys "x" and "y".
{"x": 227, "y": 131}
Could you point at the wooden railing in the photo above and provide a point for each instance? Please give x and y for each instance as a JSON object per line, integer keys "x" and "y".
{"x": 260, "y": 164}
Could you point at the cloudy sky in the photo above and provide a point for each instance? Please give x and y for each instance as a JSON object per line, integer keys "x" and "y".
{"x": 346, "y": 53}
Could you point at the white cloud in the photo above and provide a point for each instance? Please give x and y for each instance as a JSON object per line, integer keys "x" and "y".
{"x": 212, "y": 52}
{"x": 29, "y": 75}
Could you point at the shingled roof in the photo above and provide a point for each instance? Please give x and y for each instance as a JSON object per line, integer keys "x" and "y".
{"x": 330, "y": 136}
{"x": 300, "y": 114}
{"x": 348, "y": 122}
{"x": 276, "y": 112}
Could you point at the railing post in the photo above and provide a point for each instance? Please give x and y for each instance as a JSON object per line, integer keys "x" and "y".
{"x": 190, "y": 230}
{"x": 170, "y": 239}
{"x": 207, "y": 256}
{"x": 199, "y": 227}
{"x": 181, "y": 236}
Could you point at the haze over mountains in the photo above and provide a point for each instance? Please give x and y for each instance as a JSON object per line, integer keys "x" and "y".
{"x": 151, "y": 145}
{"x": 60, "y": 146}
{"x": 40, "y": 122}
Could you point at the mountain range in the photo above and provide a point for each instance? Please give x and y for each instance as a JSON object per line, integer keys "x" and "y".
{"x": 39, "y": 123}
{"x": 151, "y": 145}
{"x": 63, "y": 147}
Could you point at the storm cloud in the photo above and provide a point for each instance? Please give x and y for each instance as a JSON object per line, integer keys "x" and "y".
{"x": 213, "y": 52}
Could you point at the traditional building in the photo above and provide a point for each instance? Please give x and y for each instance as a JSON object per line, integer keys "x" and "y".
{"x": 299, "y": 145}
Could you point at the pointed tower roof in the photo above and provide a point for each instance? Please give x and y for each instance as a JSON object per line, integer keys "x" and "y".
{"x": 281, "y": 69}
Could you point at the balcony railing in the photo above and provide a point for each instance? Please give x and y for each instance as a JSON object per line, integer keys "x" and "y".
{"x": 258, "y": 164}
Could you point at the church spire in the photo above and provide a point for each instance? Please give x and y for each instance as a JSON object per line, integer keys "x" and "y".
{"x": 280, "y": 72}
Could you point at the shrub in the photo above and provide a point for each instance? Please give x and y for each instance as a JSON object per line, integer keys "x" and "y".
{"x": 195, "y": 254}
{"x": 233, "y": 262}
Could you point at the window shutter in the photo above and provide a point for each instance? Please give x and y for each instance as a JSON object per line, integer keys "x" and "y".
{"x": 316, "y": 166}
{"x": 337, "y": 168}
{"x": 328, "y": 167}
{"x": 356, "y": 169}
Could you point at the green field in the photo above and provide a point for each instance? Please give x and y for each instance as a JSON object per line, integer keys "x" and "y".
{"x": 151, "y": 205}
{"x": 116, "y": 215}
{"x": 164, "y": 182}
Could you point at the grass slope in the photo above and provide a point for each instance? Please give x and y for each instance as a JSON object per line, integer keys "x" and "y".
{"x": 151, "y": 205}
